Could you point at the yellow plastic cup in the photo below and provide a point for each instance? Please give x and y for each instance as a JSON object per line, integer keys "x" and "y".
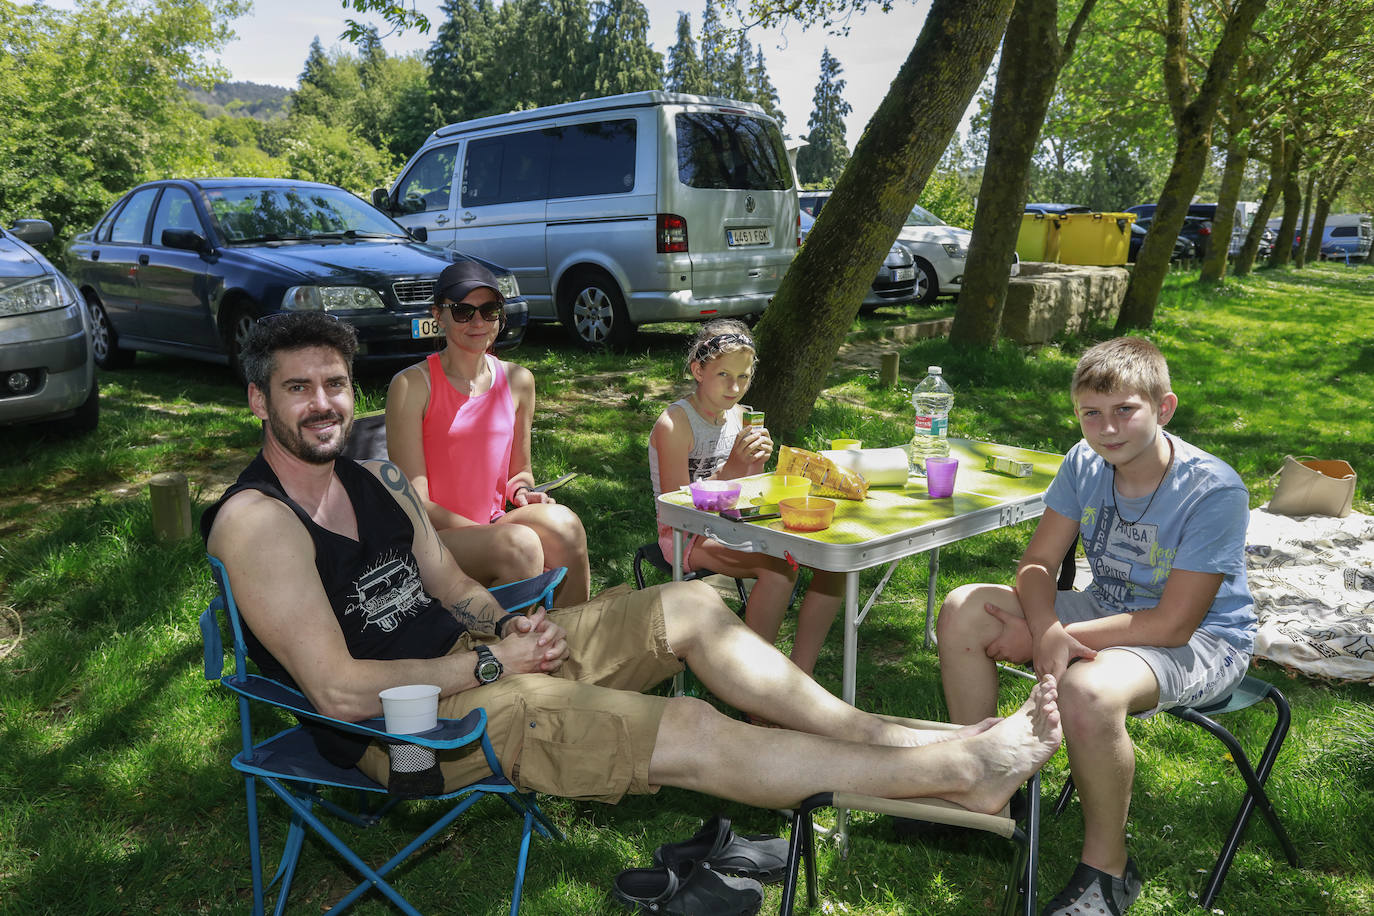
{"x": 839, "y": 445}
{"x": 779, "y": 487}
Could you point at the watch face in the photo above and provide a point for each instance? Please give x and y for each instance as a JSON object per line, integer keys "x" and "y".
{"x": 488, "y": 667}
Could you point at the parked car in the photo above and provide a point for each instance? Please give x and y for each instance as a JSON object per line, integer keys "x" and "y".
{"x": 614, "y": 212}
{"x": 1200, "y": 213}
{"x": 1184, "y": 249}
{"x": 47, "y": 366}
{"x": 186, "y": 266}
{"x": 1347, "y": 235}
{"x": 938, "y": 249}
{"x": 895, "y": 283}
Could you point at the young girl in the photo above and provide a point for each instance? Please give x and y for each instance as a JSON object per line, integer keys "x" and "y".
{"x": 702, "y": 436}
{"x": 458, "y": 425}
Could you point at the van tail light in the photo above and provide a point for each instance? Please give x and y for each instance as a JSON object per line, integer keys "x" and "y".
{"x": 799, "y": 240}
{"x": 1205, "y": 229}
{"x": 671, "y": 234}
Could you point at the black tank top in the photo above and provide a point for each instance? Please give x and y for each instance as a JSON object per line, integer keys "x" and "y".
{"x": 373, "y": 584}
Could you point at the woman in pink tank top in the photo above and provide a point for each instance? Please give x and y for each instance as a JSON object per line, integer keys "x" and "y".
{"x": 458, "y": 425}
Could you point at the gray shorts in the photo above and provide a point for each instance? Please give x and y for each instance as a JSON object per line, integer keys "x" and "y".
{"x": 1205, "y": 669}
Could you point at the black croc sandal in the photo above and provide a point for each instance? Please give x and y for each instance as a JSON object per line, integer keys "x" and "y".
{"x": 760, "y": 856}
{"x": 1091, "y": 890}
{"x": 694, "y": 890}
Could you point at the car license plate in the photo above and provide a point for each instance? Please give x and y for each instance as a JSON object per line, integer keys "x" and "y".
{"x": 425, "y": 327}
{"x": 904, "y": 273}
{"x": 738, "y": 237}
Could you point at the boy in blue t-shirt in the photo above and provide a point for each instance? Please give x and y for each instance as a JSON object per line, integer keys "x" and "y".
{"x": 1166, "y": 621}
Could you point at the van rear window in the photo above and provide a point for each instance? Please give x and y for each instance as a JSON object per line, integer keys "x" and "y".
{"x": 730, "y": 152}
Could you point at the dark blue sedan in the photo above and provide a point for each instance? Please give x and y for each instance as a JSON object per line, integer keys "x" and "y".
{"x": 186, "y": 266}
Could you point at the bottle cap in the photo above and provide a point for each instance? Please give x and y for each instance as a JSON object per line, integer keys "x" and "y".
{"x": 933, "y": 370}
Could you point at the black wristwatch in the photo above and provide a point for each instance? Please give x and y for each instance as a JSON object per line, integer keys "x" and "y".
{"x": 488, "y": 666}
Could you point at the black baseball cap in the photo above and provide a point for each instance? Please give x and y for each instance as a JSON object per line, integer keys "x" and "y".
{"x": 462, "y": 277}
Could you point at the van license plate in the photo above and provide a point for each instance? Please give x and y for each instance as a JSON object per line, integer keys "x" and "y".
{"x": 738, "y": 237}
{"x": 425, "y": 327}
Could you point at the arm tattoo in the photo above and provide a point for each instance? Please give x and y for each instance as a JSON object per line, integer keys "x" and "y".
{"x": 395, "y": 480}
{"x": 470, "y": 620}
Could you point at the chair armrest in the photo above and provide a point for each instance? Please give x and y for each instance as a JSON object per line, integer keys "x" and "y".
{"x": 448, "y": 734}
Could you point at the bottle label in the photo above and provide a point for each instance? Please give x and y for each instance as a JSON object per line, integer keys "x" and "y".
{"x": 932, "y": 426}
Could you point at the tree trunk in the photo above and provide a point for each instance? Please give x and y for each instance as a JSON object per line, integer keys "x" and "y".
{"x": 1031, "y": 60}
{"x": 1304, "y": 252}
{"x": 1214, "y": 265}
{"x": 1318, "y": 224}
{"x": 1245, "y": 261}
{"x": 803, "y": 328}
{"x": 1292, "y": 204}
{"x": 1190, "y": 158}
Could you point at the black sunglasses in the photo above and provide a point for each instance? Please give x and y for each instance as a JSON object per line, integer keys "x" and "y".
{"x": 462, "y": 312}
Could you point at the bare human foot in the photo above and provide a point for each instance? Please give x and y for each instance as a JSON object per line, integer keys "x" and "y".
{"x": 1012, "y": 749}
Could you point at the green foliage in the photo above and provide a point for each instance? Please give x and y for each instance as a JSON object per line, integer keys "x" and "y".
{"x": 92, "y": 100}
{"x": 947, "y": 196}
{"x": 623, "y": 60}
{"x": 825, "y": 155}
{"x": 685, "y": 72}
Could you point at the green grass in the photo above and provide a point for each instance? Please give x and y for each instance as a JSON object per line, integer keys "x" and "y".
{"x": 113, "y": 750}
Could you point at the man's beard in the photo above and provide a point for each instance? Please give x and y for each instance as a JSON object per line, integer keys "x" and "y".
{"x": 293, "y": 440}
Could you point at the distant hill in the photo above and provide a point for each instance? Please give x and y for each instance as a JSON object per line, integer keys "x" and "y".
{"x": 245, "y": 100}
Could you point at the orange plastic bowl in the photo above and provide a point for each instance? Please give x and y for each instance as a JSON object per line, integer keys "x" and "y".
{"x": 807, "y": 513}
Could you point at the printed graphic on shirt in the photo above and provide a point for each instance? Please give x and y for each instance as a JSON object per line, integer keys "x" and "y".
{"x": 1129, "y": 565}
{"x": 701, "y": 468}
{"x": 389, "y": 592}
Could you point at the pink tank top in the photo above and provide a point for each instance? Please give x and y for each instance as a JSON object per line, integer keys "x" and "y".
{"x": 468, "y": 443}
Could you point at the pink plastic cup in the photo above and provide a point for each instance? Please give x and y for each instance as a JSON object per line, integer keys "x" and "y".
{"x": 940, "y": 476}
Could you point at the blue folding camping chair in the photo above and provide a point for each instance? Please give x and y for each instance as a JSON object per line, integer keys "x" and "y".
{"x": 289, "y": 764}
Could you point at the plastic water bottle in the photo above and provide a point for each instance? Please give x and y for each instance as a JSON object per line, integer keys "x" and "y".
{"x": 932, "y": 399}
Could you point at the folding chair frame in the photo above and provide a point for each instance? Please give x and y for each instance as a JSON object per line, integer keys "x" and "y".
{"x": 1249, "y": 692}
{"x": 289, "y": 764}
{"x": 1022, "y": 887}
{"x": 652, "y": 554}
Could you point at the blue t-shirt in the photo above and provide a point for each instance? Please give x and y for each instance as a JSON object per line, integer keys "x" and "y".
{"x": 1196, "y": 522}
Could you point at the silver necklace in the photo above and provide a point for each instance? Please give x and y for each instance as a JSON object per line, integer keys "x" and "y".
{"x": 1167, "y": 467}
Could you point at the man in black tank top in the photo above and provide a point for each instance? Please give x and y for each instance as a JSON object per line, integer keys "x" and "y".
{"x": 347, "y": 590}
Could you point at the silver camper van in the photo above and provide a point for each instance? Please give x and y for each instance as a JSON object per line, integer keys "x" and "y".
{"x": 614, "y": 212}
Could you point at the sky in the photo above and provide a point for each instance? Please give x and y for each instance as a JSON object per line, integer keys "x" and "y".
{"x": 274, "y": 39}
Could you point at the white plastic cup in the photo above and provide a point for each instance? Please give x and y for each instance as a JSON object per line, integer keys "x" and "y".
{"x": 411, "y": 708}
{"x": 940, "y": 476}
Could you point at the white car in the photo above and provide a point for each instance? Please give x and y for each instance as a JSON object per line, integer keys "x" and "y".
{"x": 938, "y": 249}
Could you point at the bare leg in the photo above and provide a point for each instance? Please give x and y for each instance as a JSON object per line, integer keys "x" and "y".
{"x": 965, "y": 630}
{"x": 699, "y": 748}
{"x": 814, "y": 617}
{"x": 495, "y": 554}
{"x": 1095, "y": 698}
{"x": 740, "y": 668}
{"x": 772, "y": 589}
{"x": 563, "y": 542}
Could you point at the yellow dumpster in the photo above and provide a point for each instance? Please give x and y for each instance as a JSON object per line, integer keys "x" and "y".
{"x": 1099, "y": 239}
{"x": 1038, "y": 239}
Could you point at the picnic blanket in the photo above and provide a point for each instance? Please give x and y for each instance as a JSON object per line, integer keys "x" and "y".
{"x": 1313, "y": 582}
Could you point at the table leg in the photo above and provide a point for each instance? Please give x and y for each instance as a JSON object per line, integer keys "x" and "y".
{"x": 851, "y": 635}
{"x": 934, "y": 561}
{"x": 851, "y": 670}
{"x": 679, "y": 682}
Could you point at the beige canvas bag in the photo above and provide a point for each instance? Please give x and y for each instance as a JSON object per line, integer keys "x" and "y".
{"x": 1310, "y": 486}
